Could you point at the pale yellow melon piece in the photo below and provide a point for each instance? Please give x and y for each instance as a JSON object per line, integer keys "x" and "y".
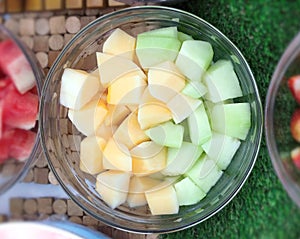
{"x": 148, "y": 158}
{"x": 182, "y": 106}
{"x": 120, "y": 43}
{"x": 97, "y": 74}
{"x": 165, "y": 81}
{"x": 113, "y": 187}
{"x": 127, "y": 89}
{"x": 132, "y": 107}
{"x": 129, "y": 132}
{"x": 117, "y": 155}
{"x": 137, "y": 187}
{"x": 113, "y": 67}
{"x": 151, "y": 111}
{"x": 162, "y": 201}
{"x": 116, "y": 114}
{"x": 106, "y": 131}
{"x": 91, "y": 151}
{"x": 77, "y": 88}
{"x": 89, "y": 117}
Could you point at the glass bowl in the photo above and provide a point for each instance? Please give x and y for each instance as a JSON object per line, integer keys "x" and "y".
{"x": 60, "y": 147}
{"x": 279, "y": 108}
{"x": 13, "y": 171}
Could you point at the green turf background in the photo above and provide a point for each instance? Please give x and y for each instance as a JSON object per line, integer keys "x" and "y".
{"x": 261, "y": 30}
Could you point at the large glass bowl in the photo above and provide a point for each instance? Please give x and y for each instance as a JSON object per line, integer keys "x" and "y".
{"x": 13, "y": 171}
{"x": 279, "y": 108}
{"x": 64, "y": 161}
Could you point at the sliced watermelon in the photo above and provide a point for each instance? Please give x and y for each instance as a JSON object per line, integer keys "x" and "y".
{"x": 1, "y": 124}
{"x": 5, "y": 143}
{"x": 16, "y": 66}
{"x": 20, "y": 110}
{"x": 4, "y": 86}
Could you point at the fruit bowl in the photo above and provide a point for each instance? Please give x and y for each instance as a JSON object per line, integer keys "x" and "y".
{"x": 61, "y": 140}
{"x": 281, "y": 130}
{"x": 21, "y": 81}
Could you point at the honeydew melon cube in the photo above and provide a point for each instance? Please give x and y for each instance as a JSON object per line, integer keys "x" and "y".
{"x": 221, "y": 148}
{"x": 117, "y": 156}
{"x": 222, "y": 82}
{"x": 129, "y": 132}
{"x": 127, "y": 89}
{"x": 116, "y": 114}
{"x": 162, "y": 32}
{"x": 152, "y": 50}
{"x": 113, "y": 187}
{"x": 186, "y": 134}
{"x": 148, "y": 158}
{"x": 188, "y": 193}
{"x": 194, "y": 89}
{"x": 182, "y": 106}
{"x": 199, "y": 126}
{"x": 120, "y": 43}
{"x": 89, "y": 117}
{"x": 180, "y": 160}
{"x": 183, "y": 36}
{"x": 165, "y": 81}
{"x": 112, "y": 67}
{"x": 156, "y": 199}
{"x": 232, "y": 119}
{"x": 137, "y": 187}
{"x": 167, "y": 134}
{"x": 91, "y": 153}
{"x": 77, "y": 88}
{"x": 152, "y": 112}
{"x": 194, "y": 58}
{"x": 105, "y": 131}
{"x": 205, "y": 173}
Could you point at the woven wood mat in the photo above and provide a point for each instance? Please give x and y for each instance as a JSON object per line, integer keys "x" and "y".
{"x": 46, "y": 30}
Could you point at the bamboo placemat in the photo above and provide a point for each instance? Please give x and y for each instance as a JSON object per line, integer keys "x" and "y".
{"x": 45, "y": 27}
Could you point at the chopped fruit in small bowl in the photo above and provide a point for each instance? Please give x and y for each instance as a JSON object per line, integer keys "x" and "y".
{"x": 163, "y": 115}
{"x": 20, "y": 87}
{"x": 282, "y": 119}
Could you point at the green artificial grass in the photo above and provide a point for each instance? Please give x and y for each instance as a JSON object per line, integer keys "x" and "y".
{"x": 261, "y": 30}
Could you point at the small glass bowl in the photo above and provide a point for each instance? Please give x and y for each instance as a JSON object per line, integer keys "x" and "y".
{"x": 60, "y": 147}
{"x": 13, "y": 171}
{"x": 279, "y": 108}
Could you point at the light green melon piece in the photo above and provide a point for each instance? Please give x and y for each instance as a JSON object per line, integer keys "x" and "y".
{"x": 162, "y": 32}
{"x": 183, "y": 36}
{"x": 194, "y": 89}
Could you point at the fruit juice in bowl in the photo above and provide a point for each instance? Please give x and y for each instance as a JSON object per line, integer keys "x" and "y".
{"x": 20, "y": 86}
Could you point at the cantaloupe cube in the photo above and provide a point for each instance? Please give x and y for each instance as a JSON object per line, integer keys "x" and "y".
{"x": 113, "y": 187}
{"x": 127, "y": 89}
{"x": 148, "y": 158}
{"x": 89, "y": 117}
{"x": 165, "y": 81}
{"x": 113, "y": 67}
{"x": 116, "y": 114}
{"x": 129, "y": 132}
{"x": 77, "y": 88}
{"x": 117, "y": 155}
{"x": 91, "y": 152}
{"x": 120, "y": 43}
{"x": 137, "y": 187}
{"x": 163, "y": 200}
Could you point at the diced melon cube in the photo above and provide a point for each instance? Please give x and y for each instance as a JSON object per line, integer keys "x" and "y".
{"x": 222, "y": 82}
{"x": 232, "y": 119}
{"x": 137, "y": 187}
{"x": 77, "y": 88}
{"x": 194, "y": 58}
{"x": 116, "y": 114}
{"x": 129, "y": 132}
{"x": 113, "y": 187}
{"x": 161, "y": 32}
{"x": 91, "y": 152}
{"x": 89, "y": 117}
{"x": 182, "y": 106}
{"x": 227, "y": 147}
{"x": 194, "y": 89}
{"x": 180, "y": 160}
{"x": 148, "y": 158}
{"x": 163, "y": 200}
{"x": 105, "y": 131}
{"x": 120, "y": 43}
{"x": 165, "y": 81}
{"x": 205, "y": 173}
{"x": 166, "y": 134}
{"x": 183, "y": 36}
{"x": 117, "y": 155}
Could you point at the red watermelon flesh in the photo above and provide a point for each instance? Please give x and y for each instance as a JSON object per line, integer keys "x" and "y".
{"x": 5, "y": 144}
{"x": 1, "y": 124}
{"x": 16, "y": 66}
{"x": 4, "y": 86}
{"x": 19, "y": 110}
